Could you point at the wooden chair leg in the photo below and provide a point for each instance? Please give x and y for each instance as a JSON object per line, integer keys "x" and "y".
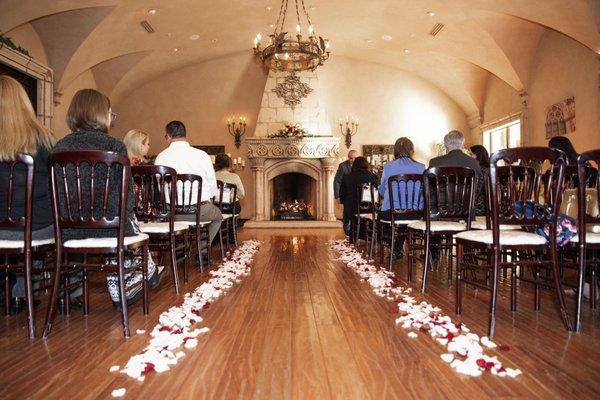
{"x": 174, "y": 263}
{"x": 392, "y": 245}
{"x": 536, "y": 293}
{"x": 6, "y": 293}
{"x": 580, "y": 285}
{"x": 494, "y": 294}
{"x": 86, "y": 293}
{"x": 558, "y": 286}
{"x": 409, "y": 254}
{"x": 145, "y": 252}
{"x": 221, "y": 241}
{"x": 198, "y": 236}
{"x": 459, "y": 260}
{"x": 123, "y": 294}
{"x": 67, "y": 294}
{"x": 29, "y": 295}
{"x": 235, "y": 240}
{"x": 426, "y": 262}
{"x": 186, "y": 251}
{"x": 51, "y": 311}
{"x": 513, "y": 289}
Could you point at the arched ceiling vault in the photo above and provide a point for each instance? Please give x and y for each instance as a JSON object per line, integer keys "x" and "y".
{"x": 479, "y": 38}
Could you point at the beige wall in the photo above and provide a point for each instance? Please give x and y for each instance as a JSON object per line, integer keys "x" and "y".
{"x": 26, "y": 37}
{"x": 390, "y": 103}
{"x": 561, "y": 68}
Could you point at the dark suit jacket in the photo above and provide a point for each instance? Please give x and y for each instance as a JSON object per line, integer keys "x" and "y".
{"x": 456, "y": 158}
{"x": 349, "y": 193}
{"x": 343, "y": 170}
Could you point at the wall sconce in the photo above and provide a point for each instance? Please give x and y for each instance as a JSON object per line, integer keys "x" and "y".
{"x": 236, "y": 129}
{"x": 237, "y": 163}
{"x": 349, "y": 129}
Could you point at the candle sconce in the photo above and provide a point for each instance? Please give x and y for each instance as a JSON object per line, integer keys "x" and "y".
{"x": 349, "y": 129}
{"x": 237, "y": 163}
{"x": 236, "y": 129}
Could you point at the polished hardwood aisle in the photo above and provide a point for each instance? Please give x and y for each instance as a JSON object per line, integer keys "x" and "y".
{"x": 300, "y": 326}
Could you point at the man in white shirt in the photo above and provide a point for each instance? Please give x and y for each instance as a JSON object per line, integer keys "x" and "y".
{"x": 186, "y": 159}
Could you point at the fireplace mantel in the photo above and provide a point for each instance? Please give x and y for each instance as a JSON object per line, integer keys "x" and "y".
{"x": 308, "y": 147}
{"x": 315, "y": 156}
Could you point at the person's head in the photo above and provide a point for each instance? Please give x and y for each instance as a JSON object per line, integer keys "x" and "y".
{"x": 454, "y": 140}
{"x": 404, "y": 147}
{"x": 89, "y": 111}
{"x": 352, "y": 154}
{"x": 360, "y": 163}
{"x": 137, "y": 143}
{"x": 482, "y": 155}
{"x": 563, "y": 143}
{"x": 20, "y": 131}
{"x": 222, "y": 161}
{"x": 175, "y": 130}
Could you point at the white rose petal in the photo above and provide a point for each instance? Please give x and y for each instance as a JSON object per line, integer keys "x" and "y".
{"x": 448, "y": 357}
{"x": 412, "y": 335}
{"x": 118, "y": 392}
{"x": 114, "y": 368}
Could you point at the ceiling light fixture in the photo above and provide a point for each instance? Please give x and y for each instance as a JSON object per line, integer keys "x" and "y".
{"x": 431, "y": 13}
{"x": 269, "y": 8}
{"x": 406, "y": 51}
{"x": 194, "y": 37}
{"x": 387, "y": 38}
{"x": 152, "y": 11}
{"x": 215, "y": 40}
{"x": 369, "y": 40}
{"x": 289, "y": 52}
{"x": 176, "y": 49}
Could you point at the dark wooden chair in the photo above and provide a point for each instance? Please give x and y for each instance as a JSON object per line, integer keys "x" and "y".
{"x": 512, "y": 248}
{"x": 405, "y": 192}
{"x": 365, "y": 221}
{"x": 588, "y": 243}
{"x": 154, "y": 187}
{"x": 18, "y": 255}
{"x": 226, "y": 203}
{"x": 189, "y": 195}
{"x": 80, "y": 182}
{"x": 449, "y": 209}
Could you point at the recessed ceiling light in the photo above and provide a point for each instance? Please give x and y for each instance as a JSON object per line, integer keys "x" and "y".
{"x": 215, "y": 40}
{"x": 431, "y": 13}
{"x": 176, "y": 49}
{"x": 194, "y": 37}
{"x": 269, "y": 8}
{"x": 406, "y": 51}
{"x": 272, "y": 26}
{"x": 152, "y": 11}
{"x": 387, "y": 38}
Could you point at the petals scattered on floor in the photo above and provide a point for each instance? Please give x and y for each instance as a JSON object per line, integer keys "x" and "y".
{"x": 177, "y": 326}
{"x": 464, "y": 351}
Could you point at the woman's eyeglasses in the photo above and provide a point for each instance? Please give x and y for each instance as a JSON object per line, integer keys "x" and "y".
{"x": 113, "y": 116}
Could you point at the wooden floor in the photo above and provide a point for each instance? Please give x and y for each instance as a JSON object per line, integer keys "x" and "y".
{"x": 300, "y": 326}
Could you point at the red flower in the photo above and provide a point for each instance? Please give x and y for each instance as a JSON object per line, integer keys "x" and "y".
{"x": 148, "y": 367}
{"x": 504, "y": 347}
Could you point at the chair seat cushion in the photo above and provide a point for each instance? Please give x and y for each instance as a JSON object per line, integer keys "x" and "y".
{"x": 366, "y": 215}
{"x": 439, "y": 226}
{"x": 162, "y": 227}
{"x": 193, "y": 223}
{"x": 589, "y": 238}
{"x": 105, "y": 242}
{"x": 400, "y": 221}
{"x": 227, "y": 216}
{"x": 507, "y": 238}
{"x": 482, "y": 226}
{"x": 18, "y": 244}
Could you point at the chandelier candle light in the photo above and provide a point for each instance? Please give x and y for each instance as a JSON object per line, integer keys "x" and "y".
{"x": 236, "y": 129}
{"x": 349, "y": 129}
{"x": 285, "y": 52}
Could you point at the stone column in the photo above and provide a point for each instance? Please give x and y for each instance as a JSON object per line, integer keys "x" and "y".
{"x": 329, "y": 167}
{"x": 258, "y": 174}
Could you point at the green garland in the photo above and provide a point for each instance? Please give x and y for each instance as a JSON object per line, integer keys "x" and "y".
{"x": 290, "y": 131}
{"x": 9, "y": 43}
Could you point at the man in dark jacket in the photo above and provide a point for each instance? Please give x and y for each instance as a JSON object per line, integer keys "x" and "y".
{"x": 343, "y": 170}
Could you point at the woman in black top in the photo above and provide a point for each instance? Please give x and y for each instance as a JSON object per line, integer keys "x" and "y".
{"x": 481, "y": 155}
{"x": 358, "y": 175}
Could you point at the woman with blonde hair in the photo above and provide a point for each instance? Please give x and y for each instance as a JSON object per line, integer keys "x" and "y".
{"x": 22, "y": 133}
{"x": 138, "y": 144}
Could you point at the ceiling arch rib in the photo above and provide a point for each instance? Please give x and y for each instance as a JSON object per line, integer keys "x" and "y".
{"x": 107, "y": 74}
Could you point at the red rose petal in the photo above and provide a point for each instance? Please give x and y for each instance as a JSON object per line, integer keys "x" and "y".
{"x": 177, "y": 331}
{"x": 424, "y": 328}
{"x": 481, "y": 363}
{"x": 195, "y": 311}
{"x": 504, "y": 347}
{"x": 185, "y": 339}
{"x": 450, "y": 336}
{"x": 164, "y": 328}
{"x": 148, "y": 367}
{"x": 489, "y": 365}
{"x": 501, "y": 369}
{"x": 206, "y": 306}
{"x": 393, "y": 311}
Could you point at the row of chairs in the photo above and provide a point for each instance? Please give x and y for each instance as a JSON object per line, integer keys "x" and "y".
{"x": 524, "y": 190}
{"x": 80, "y": 183}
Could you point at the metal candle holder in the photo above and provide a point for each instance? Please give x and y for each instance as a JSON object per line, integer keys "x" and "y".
{"x": 236, "y": 129}
{"x": 349, "y": 129}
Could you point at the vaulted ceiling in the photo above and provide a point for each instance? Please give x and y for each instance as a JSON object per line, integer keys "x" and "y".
{"x": 479, "y": 38}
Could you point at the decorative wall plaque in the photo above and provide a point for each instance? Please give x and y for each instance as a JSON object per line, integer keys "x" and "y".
{"x": 292, "y": 90}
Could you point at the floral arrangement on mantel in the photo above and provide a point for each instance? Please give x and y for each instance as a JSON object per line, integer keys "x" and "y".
{"x": 291, "y": 131}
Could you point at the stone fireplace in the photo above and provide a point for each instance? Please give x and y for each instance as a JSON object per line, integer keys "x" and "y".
{"x": 315, "y": 158}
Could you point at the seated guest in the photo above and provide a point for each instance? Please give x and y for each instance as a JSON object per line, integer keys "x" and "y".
{"x": 138, "y": 145}
{"x": 403, "y": 163}
{"x": 21, "y": 132}
{"x": 359, "y": 174}
{"x": 222, "y": 166}
{"x": 483, "y": 157}
{"x": 89, "y": 117}
{"x": 563, "y": 143}
{"x": 186, "y": 159}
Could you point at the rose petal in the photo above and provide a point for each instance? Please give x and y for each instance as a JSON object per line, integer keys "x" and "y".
{"x": 412, "y": 335}
{"x": 118, "y": 392}
{"x": 448, "y": 357}
{"x": 114, "y": 368}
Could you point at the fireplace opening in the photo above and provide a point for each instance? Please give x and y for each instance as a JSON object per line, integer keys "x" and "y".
{"x": 294, "y": 197}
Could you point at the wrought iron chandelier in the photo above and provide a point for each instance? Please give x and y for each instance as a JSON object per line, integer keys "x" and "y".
{"x": 291, "y": 53}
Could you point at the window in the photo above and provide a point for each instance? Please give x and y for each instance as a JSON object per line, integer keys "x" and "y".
{"x": 507, "y": 135}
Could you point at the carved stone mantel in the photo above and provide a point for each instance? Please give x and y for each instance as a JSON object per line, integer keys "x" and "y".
{"x": 315, "y": 156}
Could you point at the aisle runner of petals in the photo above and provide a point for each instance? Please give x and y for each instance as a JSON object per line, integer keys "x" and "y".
{"x": 464, "y": 350}
{"x": 176, "y": 325}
